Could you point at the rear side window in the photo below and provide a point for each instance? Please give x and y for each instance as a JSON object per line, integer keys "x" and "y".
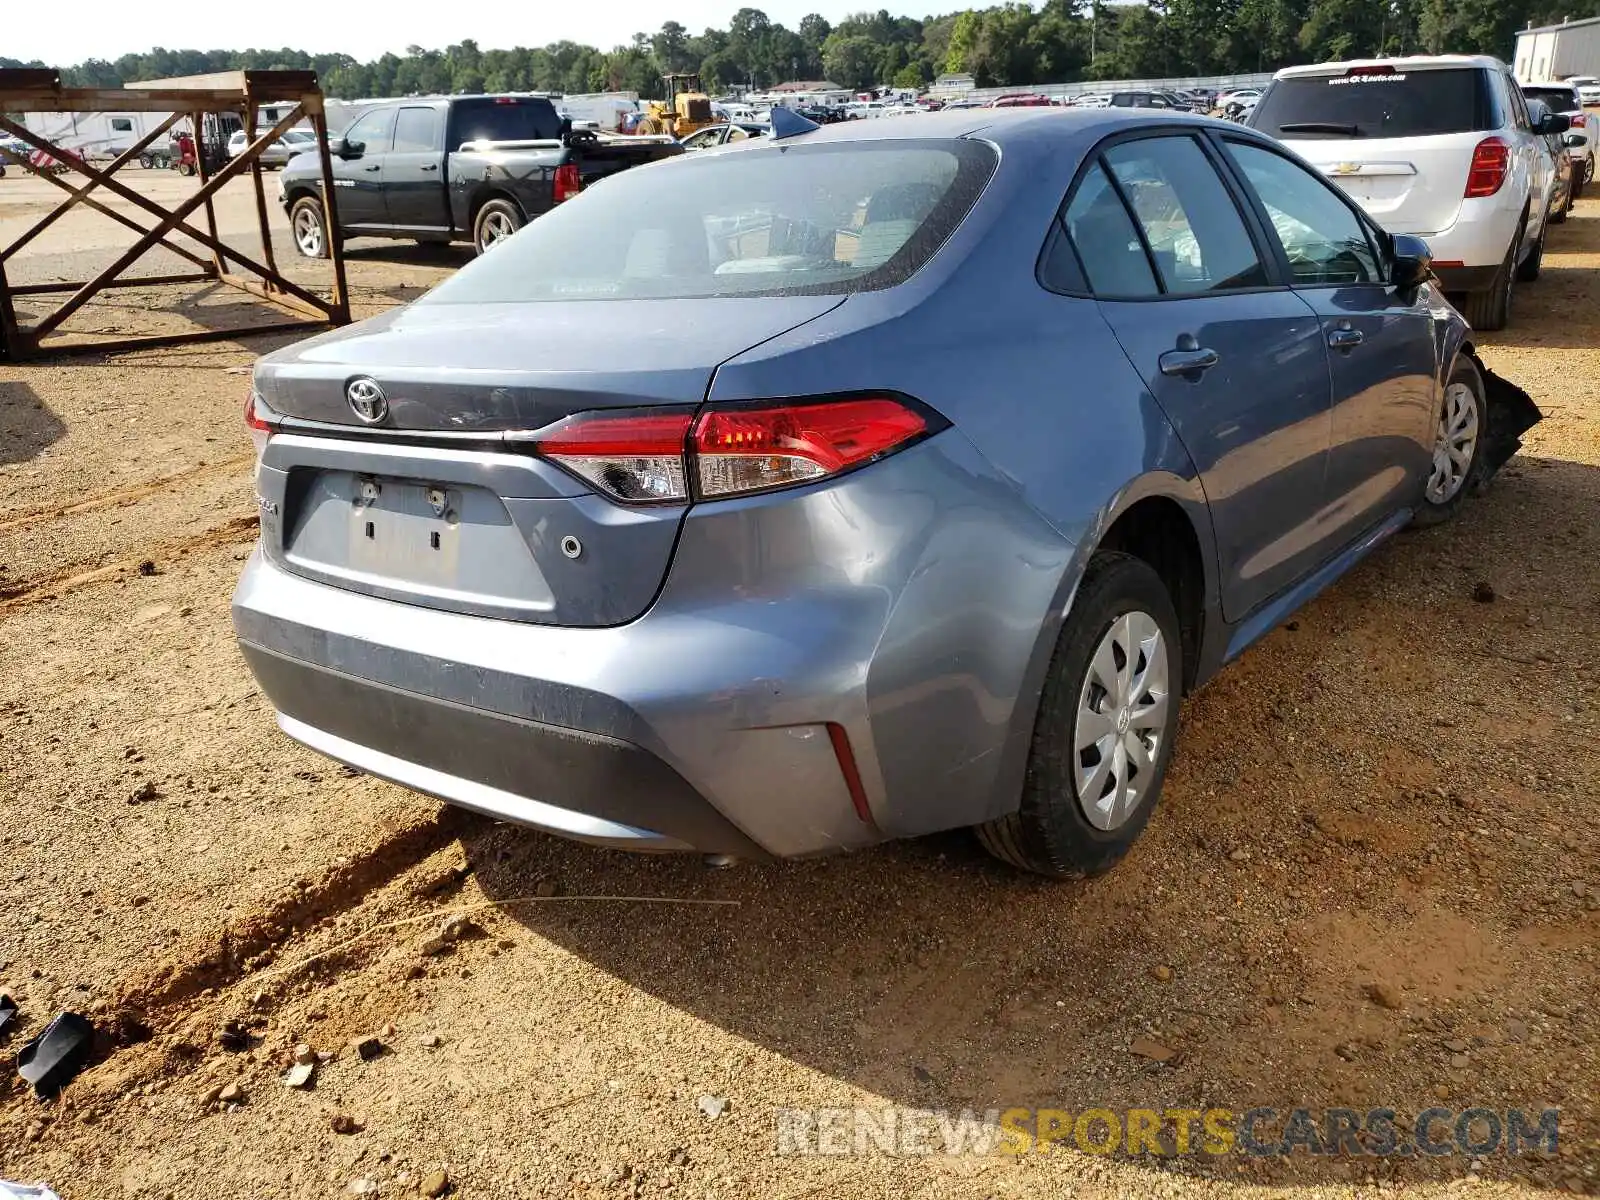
{"x": 1190, "y": 223}
{"x": 414, "y": 131}
{"x": 504, "y": 119}
{"x": 1107, "y": 241}
{"x": 1372, "y": 103}
{"x": 824, "y": 219}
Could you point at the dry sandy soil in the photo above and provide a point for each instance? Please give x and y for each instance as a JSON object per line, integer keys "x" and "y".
{"x": 1395, "y": 793}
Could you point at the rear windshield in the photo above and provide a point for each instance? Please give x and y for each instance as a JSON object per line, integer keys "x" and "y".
{"x": 760, "y": 220}
{"x": 1560, "y": 99}
{"x": 504, "y": 119}
{"x": 1392, "y": 105}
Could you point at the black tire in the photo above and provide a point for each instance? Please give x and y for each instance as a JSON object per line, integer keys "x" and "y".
{"x": 1050, "y": 833}
{"x": 146, "y": 161}
{"x": 1528, "y": 269}
{"x": 496, "y": 220}
{"x": 1577, "y": 185}
{"x": 308, "y": 227}
{"x": 1436, "y": 512}
{"x": 185, "y": 168}
{"x": 1490, "y": 309}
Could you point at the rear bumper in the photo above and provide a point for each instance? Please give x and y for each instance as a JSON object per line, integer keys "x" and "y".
{"x": 594, "y": 788}
{"x": 1467, "y": 279}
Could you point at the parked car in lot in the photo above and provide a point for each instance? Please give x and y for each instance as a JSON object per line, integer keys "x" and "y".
{"x": 1239, "y": 103}
{"x": 1578, "y": 140}
{"x": 881, "y": 479}
{"x": 1588, "y": 87}
{"x": 278, "y": 153}
{"x": 1441, "y": 147}
{"x": 1138, "y": 99}
{"x": 720, "y": 135}
{"x": 456, "y": 168}
{"x": 1555, "y": 146}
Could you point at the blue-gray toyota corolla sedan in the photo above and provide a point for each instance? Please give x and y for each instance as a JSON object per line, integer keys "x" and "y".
{"x": 854, "y": 484}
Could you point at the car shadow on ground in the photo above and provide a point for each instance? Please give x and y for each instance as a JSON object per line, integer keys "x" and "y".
{"x": 27, "y": 426}
{"x": 1305, "y": 838}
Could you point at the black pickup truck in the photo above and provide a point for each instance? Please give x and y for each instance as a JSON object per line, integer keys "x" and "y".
{"x": 452, "y": 169}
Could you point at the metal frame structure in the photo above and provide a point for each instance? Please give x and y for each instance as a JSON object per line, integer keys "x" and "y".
{"x": 25, "y": 90}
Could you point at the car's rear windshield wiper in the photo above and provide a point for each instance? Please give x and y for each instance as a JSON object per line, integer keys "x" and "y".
{"x": 1320, "y": 127}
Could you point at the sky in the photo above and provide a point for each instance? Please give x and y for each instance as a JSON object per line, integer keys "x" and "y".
{"x": 109, "y": 28}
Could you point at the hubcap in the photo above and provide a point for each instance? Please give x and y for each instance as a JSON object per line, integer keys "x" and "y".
{"x": 496, "y": 228}
{"x": 1453, "y": 443}
{"x": 1121, "y": 720}
{"x": 308, "y": 233}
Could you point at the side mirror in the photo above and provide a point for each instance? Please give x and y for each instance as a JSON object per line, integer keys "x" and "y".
{"x": 1553, "y": 123}
{"x": 1573, "y": 139}
{"x": 1410, "y": 261}
{"x": 344, "y": 148}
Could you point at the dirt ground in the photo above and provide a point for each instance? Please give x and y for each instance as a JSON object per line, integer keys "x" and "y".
{"x": 1393, "y": 796}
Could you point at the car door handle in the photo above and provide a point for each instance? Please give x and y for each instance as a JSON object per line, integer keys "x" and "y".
{"x": 373, "y": 167}
{"x": 430, "y": 166}
{"x": 1344, "y": 338}
{"x": 1187, "y": 362}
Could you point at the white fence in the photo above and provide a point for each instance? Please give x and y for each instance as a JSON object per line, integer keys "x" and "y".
{"x": 1062, "y": 91}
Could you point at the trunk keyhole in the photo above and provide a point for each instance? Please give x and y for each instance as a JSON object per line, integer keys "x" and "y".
{"x": 433, "y": 539}
{"x": 369, "y": 529}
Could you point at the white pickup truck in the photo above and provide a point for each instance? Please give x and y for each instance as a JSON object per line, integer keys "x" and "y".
{"x": 1442, "y": 147}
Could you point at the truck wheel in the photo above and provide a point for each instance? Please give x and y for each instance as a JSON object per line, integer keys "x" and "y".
{"x": 309, "y": 227}
{"x": 497, "y": 220}
{"x": 1528, "y": 269}
{"x": 1490, "y": 309}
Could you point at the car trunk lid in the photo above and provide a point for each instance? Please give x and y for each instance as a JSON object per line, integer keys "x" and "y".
{"x": 1408, "y": 185}
{"x": 440, "y": 500}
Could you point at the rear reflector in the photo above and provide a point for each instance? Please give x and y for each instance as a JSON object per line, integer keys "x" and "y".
{"x": 1490, "y": 160}
{"x": 568, "y": 183}
{"x": 851, "y": 773}
{"x": 649, "y": 456}
{"x": 1383, "y": 70}
{"x": 752, "y": 449}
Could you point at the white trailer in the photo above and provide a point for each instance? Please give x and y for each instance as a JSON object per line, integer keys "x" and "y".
{"x": 93, "y": 135}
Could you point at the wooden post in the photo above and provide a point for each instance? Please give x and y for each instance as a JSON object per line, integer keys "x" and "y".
{"x": 330, "y": 215}
{"x": 267, "y": 255}
{"x": 203, "y": 174}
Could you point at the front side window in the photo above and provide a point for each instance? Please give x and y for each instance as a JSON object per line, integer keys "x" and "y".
{"x": 121, "y": 125}
{"x": 372, "y": 131}
{"x": 1324, "y": 241}
{"x": 1195, "y": 233}
{"x": 824, "y": 219}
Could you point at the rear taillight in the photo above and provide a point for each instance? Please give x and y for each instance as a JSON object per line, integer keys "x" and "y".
{"x": 1578, "y": 119}
{"x": 257, "y": 420}
{"x": 651, "y": 456}
{"x": 1490, "y": 160}
{"x": 753, "y": 449}
{"x": 568, "y": 183}
{"x": 633, "y": 456}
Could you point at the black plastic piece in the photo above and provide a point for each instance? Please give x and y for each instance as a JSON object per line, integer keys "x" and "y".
{"x": 52, "y": 1059}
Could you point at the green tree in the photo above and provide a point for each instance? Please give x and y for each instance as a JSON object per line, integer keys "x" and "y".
{"x": 850, "y": 60}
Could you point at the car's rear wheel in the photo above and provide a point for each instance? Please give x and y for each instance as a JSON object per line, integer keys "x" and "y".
{"x": 310, "y": 227}
{"x": 1104, "y": 732}
{"x": 1490, "y": 309}
{"x": 1457, "y": 445}
{"x": 497, "y": 220}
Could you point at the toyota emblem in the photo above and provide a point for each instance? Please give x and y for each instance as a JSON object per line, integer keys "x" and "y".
{"x": 366, "y": 399}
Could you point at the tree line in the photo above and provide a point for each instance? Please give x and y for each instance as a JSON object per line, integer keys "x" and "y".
{"x": 1013, "y": 44}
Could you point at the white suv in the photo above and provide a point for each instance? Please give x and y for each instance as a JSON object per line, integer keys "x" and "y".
{"x": 1441, "y": 147}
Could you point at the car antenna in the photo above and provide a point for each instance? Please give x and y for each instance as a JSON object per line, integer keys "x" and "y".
{"x": 788, "y": 123}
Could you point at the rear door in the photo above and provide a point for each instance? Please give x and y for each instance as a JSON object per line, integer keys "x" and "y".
{"x": 1380, "y": 342}
{"x": 413, "y": 171}
{"x": 358, "y": 174}
{"x": 1397, "y": 140}
{"x": 1235, "y": 360}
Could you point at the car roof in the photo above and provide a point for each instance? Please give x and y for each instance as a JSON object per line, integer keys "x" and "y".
{"x": 1565, "y": 85}
{"x": 1000, "y": 125}
{"x": 1414, "y": 62}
